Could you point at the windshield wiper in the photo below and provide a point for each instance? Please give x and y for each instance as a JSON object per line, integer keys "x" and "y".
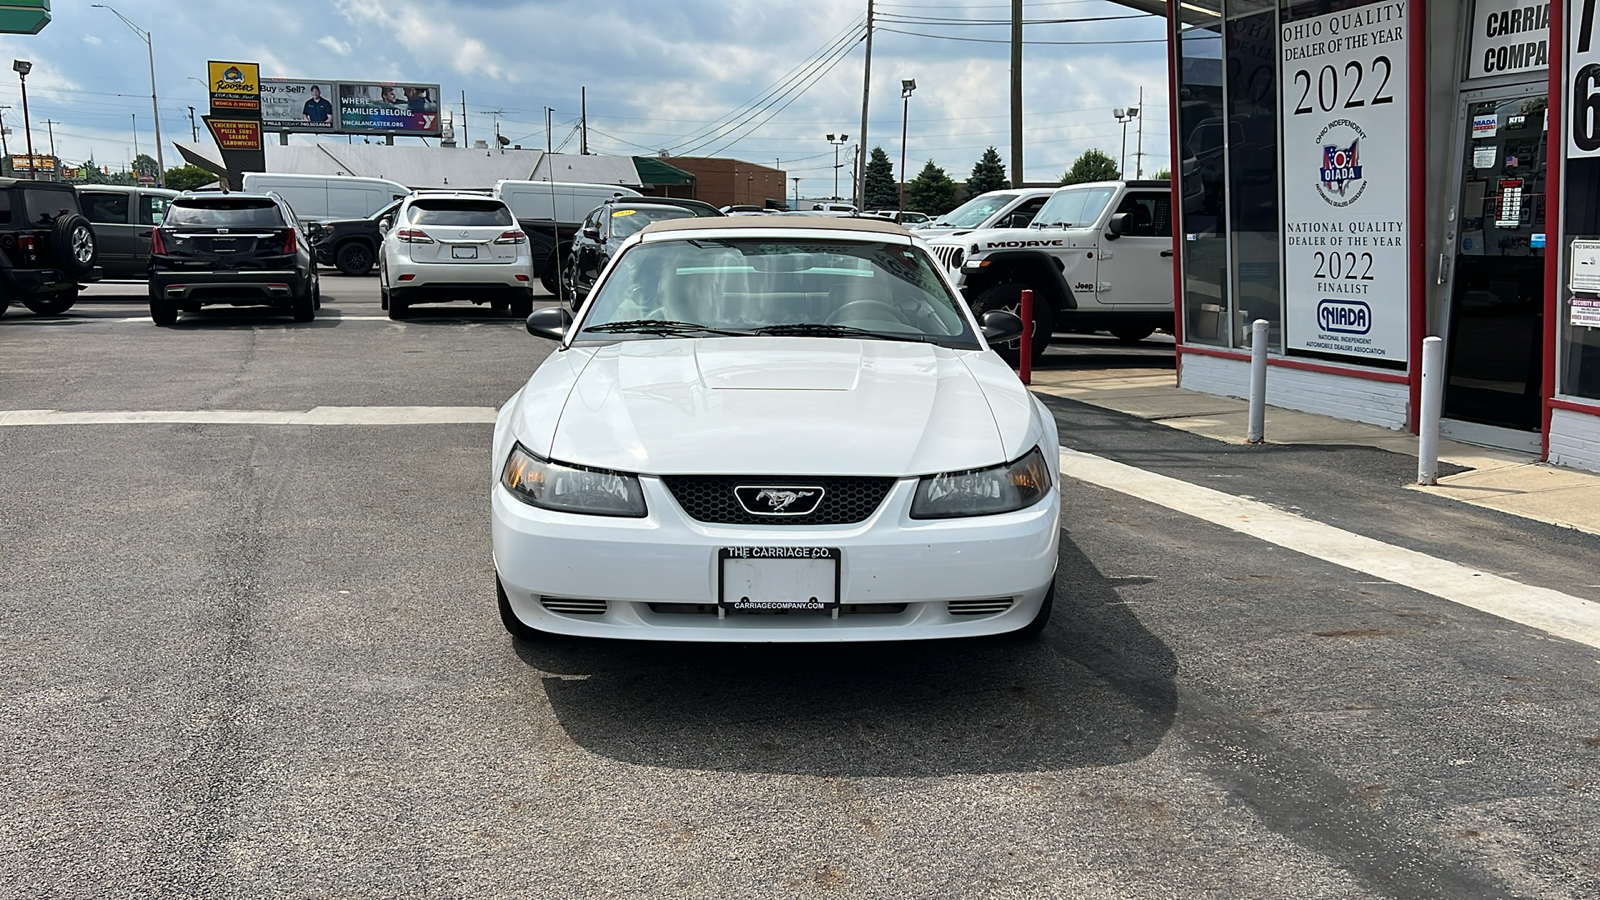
{"x": 657, "y": 326}
{"x": 821, "y": 330}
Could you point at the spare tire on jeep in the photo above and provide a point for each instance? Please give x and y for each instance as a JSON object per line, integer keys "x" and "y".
{"x": 73, "y": 246}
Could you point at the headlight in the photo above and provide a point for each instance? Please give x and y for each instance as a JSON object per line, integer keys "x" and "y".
{"x": 983, "y": 492}
{"x": 552, "y": 485}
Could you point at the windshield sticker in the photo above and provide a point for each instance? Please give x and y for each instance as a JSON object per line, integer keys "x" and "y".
{"x": 623, "y": 212}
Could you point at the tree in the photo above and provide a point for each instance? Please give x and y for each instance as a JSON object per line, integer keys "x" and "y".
{"x": 187, "y": 178}
{"x": 1164, "y": 175}
{"x": 1093, "y": 165}
{"x": 988, "y": 174}
{"x": 879, "y": 190}
{"x": 144, "y": 165}
{"x": 933, "y": 191}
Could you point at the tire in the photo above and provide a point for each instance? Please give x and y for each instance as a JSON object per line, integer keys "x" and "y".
{"x": 521, "y": 307}
{"x": 508, "y": 617}
{"x": 304, "y": 307}
{"x": 383, "y": 297}
{"x": 73, "y": 245}
{"x": 1133, "y": 334}
{"x": 1008, "y": 297}
{"x": 163, "y": 312}
{"x": 5, "y": 303}
{"x": 316, "y": 293}
{"x": 1031, "y": 631}
{"x": 499, "y": 305}
{"x": 399, "y": 308}
{"x": 51, "y": 304}
{"x": 353, "y": 258}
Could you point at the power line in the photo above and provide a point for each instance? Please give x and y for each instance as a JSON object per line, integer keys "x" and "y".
{"x": 947, "y": 37}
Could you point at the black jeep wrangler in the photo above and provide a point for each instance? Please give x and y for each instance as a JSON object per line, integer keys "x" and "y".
{"x": 47, "y": 247}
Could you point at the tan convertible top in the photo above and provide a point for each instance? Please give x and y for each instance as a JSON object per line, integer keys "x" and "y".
{"x": 774, "y": 223}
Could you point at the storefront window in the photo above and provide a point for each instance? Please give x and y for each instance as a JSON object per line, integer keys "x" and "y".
{"x": 1203, "y": 172}
{"x": 1253, "y": 169}
{"x": 1580, "y": 370}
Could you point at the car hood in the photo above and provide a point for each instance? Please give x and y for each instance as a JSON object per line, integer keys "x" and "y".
{"x": 776, "y": 405}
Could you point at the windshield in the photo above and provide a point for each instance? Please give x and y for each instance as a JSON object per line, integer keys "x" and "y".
{"x": 223, "y": 212}
{"x": 625, "y": 222}
{"x": 1074, "y": 207}
{"x": 460, "y": 213}
{"x": 776, "y": 286}
{"x": 974, "y": 212}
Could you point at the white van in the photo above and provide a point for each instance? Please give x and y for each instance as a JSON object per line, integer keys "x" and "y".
{"x": 321, "y": 198}
{"x": 565, "y": 202}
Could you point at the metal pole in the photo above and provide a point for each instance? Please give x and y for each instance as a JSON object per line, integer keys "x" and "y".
{"x": 27, "y": 129}
{"x": 1432, "y": 405}
{"x": 1138, "y": 153}
{"x": 905, "y": 113}
{"x": 4, "y": 150}
{"x": 866, "y": 92}
{"x": 155, "y": 111}
{"x": 1258, "y": 381}
{"x": 1122, "y": 162}
{"x": 1016, "y": 93}
{"x": 194, "y": 133}
{"x": 583, "y": 120}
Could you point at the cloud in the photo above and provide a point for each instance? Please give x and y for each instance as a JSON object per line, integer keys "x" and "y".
{"x": 92, "y": 40}
{"x": 334, "y": 44}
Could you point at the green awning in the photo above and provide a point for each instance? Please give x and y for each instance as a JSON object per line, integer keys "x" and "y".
{"x": 654, "y": 171}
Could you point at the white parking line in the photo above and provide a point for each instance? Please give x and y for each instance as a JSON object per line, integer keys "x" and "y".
{"x": 321, "y": 415}
{"x": 1553, "y": 612}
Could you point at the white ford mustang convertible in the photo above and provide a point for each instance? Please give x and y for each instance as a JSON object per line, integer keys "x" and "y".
{"x": 764, "y": 429}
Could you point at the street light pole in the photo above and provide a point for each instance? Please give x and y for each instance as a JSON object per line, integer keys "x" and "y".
{"x": 22, "y": 67}
{"x": 906, "y": 87}
{"x": 155, "y": 110}
{"x": 1124, "y": 116}
{"x": 841, "y": 138}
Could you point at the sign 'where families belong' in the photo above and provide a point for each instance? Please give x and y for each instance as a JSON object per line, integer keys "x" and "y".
{"x": 1346, "y": 182}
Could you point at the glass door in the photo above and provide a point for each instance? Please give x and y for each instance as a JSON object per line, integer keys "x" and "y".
{"x": 1495, "y": 338}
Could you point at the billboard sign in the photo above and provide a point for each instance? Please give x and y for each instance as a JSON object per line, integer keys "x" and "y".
{"x": 382, "y": 107}
{"x": 235, "y": 134}
{"x": 22, "y": 162}
{"x": 289, "y": 104}
{"x": 235, "y": 88}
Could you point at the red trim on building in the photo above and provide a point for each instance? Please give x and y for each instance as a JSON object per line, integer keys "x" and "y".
{"x": 1173, "y": 31}
{"x": 1555, "y": 156}
{"x": 1588, "y": 407}
{"x": 1289, "y": 362}
{"x": 1417, "y": 146}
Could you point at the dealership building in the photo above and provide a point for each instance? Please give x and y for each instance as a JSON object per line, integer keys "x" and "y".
{"x": 1363, "y": 174}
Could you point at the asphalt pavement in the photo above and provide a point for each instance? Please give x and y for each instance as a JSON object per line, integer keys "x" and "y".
{"x": 246, "y": 659}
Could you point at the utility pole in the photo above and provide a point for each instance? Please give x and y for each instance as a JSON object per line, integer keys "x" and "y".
{"x": 135, "y": 118}
{"x": 866, "y": 93}
{"x": 1138, "y": 150}
{"x": 796, "y": 199}
{"x": 1016, "y": 93}
{"x": 464, "y": 141}
{"x": 4, "y": 150}
{"x": 194, "y": 133}
{"x": 583, "y": 120}
{"x": 22, "y": 67}
{"x": 50, "y": 126}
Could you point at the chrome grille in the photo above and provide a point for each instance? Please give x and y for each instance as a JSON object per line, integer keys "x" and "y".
{"x": 986, "y": 607}
{"x": 574, "y": 607}
{"x": 710, "y": 498}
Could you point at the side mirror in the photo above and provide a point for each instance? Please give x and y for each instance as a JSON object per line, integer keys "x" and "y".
{"x": 551, "y": 322}
{"x": 1000, "y": 327}
{"x": 592, "y": 233}
{"x": 384, "y": 224}
{"x": 1117, "y": 227}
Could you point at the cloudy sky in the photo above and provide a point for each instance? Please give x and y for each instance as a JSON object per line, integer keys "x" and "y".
{"x": 703, "y": 77}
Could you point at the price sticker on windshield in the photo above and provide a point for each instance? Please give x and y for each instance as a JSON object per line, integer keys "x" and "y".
{"x": 623, "y": 212}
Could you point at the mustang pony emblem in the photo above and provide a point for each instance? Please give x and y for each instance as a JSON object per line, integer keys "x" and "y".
{"x": 779, "y": 500}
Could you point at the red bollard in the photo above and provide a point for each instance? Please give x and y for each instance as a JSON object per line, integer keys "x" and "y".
{"x": 1027, "y": 337}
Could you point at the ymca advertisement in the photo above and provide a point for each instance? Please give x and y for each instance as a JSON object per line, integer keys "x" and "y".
{"x": 1345, "y": 182}
{"x": 385, "y": 108}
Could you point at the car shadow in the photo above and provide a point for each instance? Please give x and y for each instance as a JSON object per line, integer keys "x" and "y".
{"x": 1097, "y": 689}
{"x": 1096, "y": 352}
{"x": 253, "y": 316}
{"x": 453, "y": 314}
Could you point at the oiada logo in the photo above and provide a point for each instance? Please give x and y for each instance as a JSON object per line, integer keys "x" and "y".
{"x": 1344, "y": 316}
{"x": 1341, "y": 180}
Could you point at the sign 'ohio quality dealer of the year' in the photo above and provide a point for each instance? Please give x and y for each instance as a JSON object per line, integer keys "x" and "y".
{"x": 1345, "y": 182}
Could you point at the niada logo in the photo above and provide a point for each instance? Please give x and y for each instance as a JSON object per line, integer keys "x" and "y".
{"x": 1341, "y": 180}
{"x": 1344, "y": 316}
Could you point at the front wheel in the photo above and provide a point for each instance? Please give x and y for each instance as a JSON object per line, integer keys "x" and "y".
{"x": 163, "y": 312}
{"x": 354, "y": 259}
{"x": 51, "y": 304}
{"x": 1008, "y": 297}
{"x": 508, "y": 616}
{"x": 1032, "y": 630}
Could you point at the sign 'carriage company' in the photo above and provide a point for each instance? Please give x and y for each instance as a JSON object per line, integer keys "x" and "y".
{"x": 1346, "y": 182}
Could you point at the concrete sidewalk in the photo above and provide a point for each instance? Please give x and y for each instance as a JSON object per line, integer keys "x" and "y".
{"x": 1500, "y": 480}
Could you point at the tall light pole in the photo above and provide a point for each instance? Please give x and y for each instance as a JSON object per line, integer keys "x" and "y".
{"x": 1124, "y": 116}
{"x": 907, "y": 85}
{"x": 837, "y": 140}
{"x": 22, "y": 67}
{"x": 155, "y": 111}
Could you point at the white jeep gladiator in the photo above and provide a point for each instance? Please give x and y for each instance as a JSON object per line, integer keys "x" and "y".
{"x": 1098, "y": 257}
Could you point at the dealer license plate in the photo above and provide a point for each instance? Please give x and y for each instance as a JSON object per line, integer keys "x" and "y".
{"x": 463, "y": 252}
{"x": 773, "y": 578}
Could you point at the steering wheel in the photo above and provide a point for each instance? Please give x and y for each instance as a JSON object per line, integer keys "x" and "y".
{"x": 865, "y": 309}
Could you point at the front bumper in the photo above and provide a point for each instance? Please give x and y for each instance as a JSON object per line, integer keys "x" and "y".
{"x": 272, "y": 287}
{"x": 658, "y": 576}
